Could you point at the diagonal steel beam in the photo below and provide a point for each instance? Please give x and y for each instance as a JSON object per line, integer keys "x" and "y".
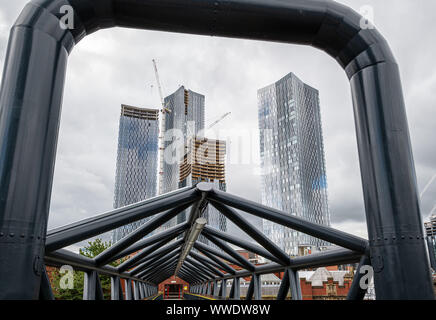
{"x": 206, "y": 262}
{"x": 85, "y": 229}
{"x": 161, "y": 258}
{"x": 284, "y": 286}
{"x": 148, "y": 227}
{"x": 200, "y": 256}
{"x": 253, "y": 232}
{"x": 212, "y": 254}
{"x": 81, "y": 263}
{"x": 169, "y": 233}
{"x": 144, "y": 253}
{"x": 140, "y": 265}
{"x": 192, "y": 267}
{"x": 337, "y": 237}
{"x": 164, "y": 273}
{"x": 141, "y": 256}
{"x": 356, "y": 292}
{"x": 201, "y": 267}
{"x": 158, "y": 267}
{"x": 200, "y": 277}
{"x": 226, "y": 248}
{"x": 243, "y": 244}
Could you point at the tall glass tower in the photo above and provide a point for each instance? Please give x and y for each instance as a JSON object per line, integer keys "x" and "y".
{"x": 137, "y": 161}
{"x": 184, "y": 120}
{"x": 292, "y": 160}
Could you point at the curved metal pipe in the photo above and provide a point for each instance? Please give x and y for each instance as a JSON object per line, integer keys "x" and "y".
{"x": 31, "y": 95}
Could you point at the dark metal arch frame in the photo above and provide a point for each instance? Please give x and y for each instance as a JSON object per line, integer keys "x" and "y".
{"x": 30, "y": 102}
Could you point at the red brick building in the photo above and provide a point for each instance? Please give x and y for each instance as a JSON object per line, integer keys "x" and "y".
{"x": 325, "y": 285}
{"x": 173, "y": 286}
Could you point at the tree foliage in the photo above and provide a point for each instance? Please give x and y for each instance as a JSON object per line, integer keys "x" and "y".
{"x": 91, "y": 250}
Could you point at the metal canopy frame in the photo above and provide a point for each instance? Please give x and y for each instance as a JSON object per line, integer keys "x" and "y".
{"x": 30, "y": 102}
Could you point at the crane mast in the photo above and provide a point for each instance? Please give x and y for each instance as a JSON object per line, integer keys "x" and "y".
{"x": 164, "y": 110}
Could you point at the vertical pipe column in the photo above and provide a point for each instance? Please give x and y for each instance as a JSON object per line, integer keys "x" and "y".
{"x": 237, "y": 294}
{"x": 224, "y": 288}
{"x": 431, "y": 252}
{"x": 30, "y": 105}
{"x": 257, "y": 287}
{"x": 129, "y": 289}
{"x": 116, "y": 289}
{"x": 209, "y": 288}
{"x": 92, "y": 289}
{"x": 294, "y": 284}
{"x": 398, "y": 253}
{"x": 136, "y": 291}
{"x": 45, "y": 292}
{"x": 284, "y": 286}
{"x": 215, "y": 288}
{"x": 250, "y": 290}
{"x": 356, "y": 292}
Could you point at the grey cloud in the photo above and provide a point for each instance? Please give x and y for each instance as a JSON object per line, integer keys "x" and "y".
{"x": 112, "y": 67}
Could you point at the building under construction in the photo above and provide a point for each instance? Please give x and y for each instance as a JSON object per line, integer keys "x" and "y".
{"x": 204, "y": 161}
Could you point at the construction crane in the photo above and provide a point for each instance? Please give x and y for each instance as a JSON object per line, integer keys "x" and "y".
{"x": 164, "y": 111}
{"x": 213, "y": 124}
{"x": 156, "y": 72}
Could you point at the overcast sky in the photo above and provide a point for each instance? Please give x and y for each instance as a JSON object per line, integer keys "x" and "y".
{"x": 112, "y": 67}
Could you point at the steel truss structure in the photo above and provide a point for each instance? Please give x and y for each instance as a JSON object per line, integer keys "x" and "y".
{"x": 30, "y": 102}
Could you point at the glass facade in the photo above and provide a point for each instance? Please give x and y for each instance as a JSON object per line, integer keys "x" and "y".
{"x": 137, "y": 160}
{"x": 292, "y": 159}
{"x": 185, "y": 119}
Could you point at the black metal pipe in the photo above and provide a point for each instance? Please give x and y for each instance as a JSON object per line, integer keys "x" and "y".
{"x": 148, "y": 227}
{"x": 431, "y": 253}
{"x": 212, "y": 266}
{"x": 201, "y": 272}
{"x": 226, "y": 248}
{"x": 81, "y": 263}
{"x": 161, "y": 257}
{"x": 159, "y": 271}
{"x": 176, "y": 230}
{"x": 34, "y": 76}
{"x": 243, "y": 244}
{"x": 323, "y": 259}
{"x": 45, "y": 291}
{"x": 212, "y": 253}
{"x": 143, "y": 254}
{"x": 220, "y": 263}
{"x": 323, "y": 232}
{"x": 205, "y": 258}
{"x": 65, "y": 236}
{"x": 92, "y": 287}
{"x": 356, "y": 292}
{"x": 284, "y": 286}
{"x": 203, "y": 268}
{"x": 198, "y": 276}
{"x": 252, "y": 231}
{"x": 147, "y": 261}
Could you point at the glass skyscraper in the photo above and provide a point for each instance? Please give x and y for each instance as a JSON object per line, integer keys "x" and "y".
{"x": 137, "y": 161}
{"x": 292, "y": 160}
{"x": 185, "y": 119}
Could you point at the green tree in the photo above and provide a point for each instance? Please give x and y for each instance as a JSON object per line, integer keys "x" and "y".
{"x": 91, "y": 250}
